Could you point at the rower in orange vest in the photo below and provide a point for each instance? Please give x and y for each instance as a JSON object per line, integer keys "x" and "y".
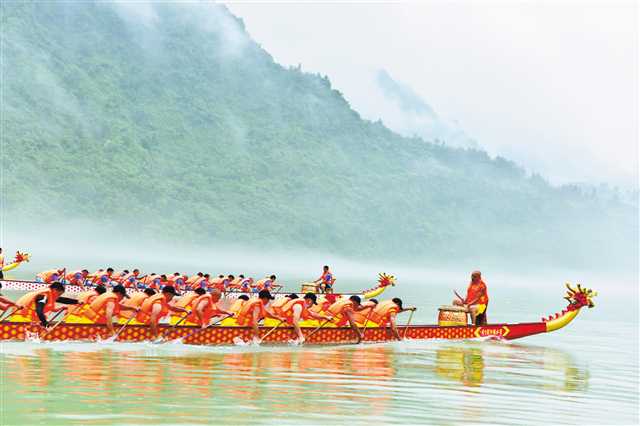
{"x": 342, "y": 312}
{"x": 84, "y": 299}
{"x": 361, "y": 317}
{"x": 385, "y": 314}
{"x": 129, "y": 280}
{"x": 183, "y": 301}
{"x": 297, "y": 309}
{"x": 205, "y": 307}
{"x": 35, "y": 305}
{"x": 157, "y": 307}
{"x": 278, "y": 304}
{"x": 102, "y": 277}
{"x": 176, "y": 280}
{"x": 76, "y": 277}
{"x": 254, "y": 310}
{"x": 135, "y": 301}
{"x": 105, "y": 307}
{"x": 50, "y": 276}
{"x": 192, "y": 279}
{"x": 324, "y": 302}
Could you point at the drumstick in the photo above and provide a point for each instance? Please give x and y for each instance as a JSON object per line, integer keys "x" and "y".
{"x": 458, "y": 296}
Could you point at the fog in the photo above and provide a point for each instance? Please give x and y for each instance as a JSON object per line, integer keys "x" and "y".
{"x": 551, "y": 85}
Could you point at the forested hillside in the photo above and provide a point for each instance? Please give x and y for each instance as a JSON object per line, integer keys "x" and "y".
{"x": 180, "y": 126}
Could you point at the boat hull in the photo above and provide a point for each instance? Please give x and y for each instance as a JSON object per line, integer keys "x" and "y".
{"x": 219, "y": 335}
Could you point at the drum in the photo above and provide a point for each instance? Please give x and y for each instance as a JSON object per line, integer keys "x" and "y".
{"x": 452, "y": 315}
{"x": 309, "y": 288}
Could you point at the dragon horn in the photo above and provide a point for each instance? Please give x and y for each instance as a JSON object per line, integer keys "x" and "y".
{"x": 569, "y": 287}
{"x": 580, "y": 288}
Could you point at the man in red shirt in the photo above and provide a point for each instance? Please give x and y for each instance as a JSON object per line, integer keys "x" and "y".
{"x": 477, "y": 299}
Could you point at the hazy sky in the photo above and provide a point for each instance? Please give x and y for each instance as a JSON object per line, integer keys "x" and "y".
{"x": 552, "y": 85}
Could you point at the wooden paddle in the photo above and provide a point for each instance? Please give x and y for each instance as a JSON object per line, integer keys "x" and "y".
{"x": 200, "y": 329}
{"x": 272, "y": 330}
{"x": 6, "y": 317}
{"x": 318, "y": 328}
{"x": 162, "y": 336}
{"x": 56, "y": 324}
{"x": 406, "y": 327}
{"x": 115, "y": 336}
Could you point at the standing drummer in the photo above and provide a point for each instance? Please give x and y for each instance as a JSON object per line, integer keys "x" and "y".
{"x": 477, "y": 298}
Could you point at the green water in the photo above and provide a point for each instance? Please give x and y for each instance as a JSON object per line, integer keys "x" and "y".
{"x": 586, "y": 373}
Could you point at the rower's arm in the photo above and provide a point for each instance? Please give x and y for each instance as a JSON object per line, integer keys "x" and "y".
{"x": 394, "y": 328}
{"x": 352, "y": 323}
{"x": 199, "y": 310}
{"x": 297, "y": 312}
{"x": 318, "y": 316}
{"x": 67, "y": 301}
{"x": 177, "y": 309}
{"x": 108, "y": 313}
{"x": 154, "y": 318}
{"x": 254, "y": 323}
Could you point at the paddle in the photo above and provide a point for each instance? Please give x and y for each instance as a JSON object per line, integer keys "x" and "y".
{"x": 406, "y": 327}
{"x": 6, "y": 317}
{"x": 115, "y": 336}
{"x": 318, "y": 328}
{"x": 56, "y": 324}
{"x": 272, "y": 330}
{"x": 162, "y": 336}
{"x": 199, "y": 329}
{"x": 365, "y": 325}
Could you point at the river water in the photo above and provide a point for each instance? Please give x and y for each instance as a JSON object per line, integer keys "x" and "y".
{"x": 586, "y": 373}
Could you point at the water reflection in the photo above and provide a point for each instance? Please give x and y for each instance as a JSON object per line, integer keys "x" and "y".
{"x": 143, "y": 386}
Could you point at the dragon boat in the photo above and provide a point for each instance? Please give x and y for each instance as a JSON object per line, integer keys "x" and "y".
{"x": 578, "y": 298}
{"x": 384, "y": 281}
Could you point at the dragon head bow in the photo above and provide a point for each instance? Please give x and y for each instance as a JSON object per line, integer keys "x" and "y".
{"x": 21, "y": 257}
{"x": 579, "y": 297}
{"x": 385, "y": 280}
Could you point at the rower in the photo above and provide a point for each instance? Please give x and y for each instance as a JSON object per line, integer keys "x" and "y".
{"x": 84, "y": 299}
{"x": 135, "y": 301}
{"x": 129, "y": 280}
{"x": 35, "y": 305}
{"x": 254, "y": 310}
{"x": 385, "y": 314}
{"x": 185, "y": 301}
{"x": 105, "y": 307}
{"x": 75, "y": 277}
{"x": 266, "y": 283}
{"x": 103, "y": 277}
{"x": 176, "y": 280}
{"x": 192, "y": 279}
{"x": 297, "y": 309}
{"x": 361, "y": 316}
{"x": 235, "y": 309}
{"x": 205, "y": 307}
{"x": 477, "y": 299}
{"x": 50, "y": 276}
{"x": 342, "y": 312}
{"x": 218, "y": 283}
{"x": 326, "y": 280}
{"x": 157, "y": 307}
{"x": 246, "y": 284}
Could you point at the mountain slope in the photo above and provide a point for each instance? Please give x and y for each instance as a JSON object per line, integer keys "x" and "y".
{"x": 181, "y": 127}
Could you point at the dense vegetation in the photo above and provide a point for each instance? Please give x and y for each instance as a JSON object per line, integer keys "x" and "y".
{"x": 182, "y": 127}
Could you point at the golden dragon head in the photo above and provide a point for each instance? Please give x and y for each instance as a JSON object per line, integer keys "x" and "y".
{"x": 21, "y": 257}
{"x": 579, "y": 297}
{"x": 385, "y": 280}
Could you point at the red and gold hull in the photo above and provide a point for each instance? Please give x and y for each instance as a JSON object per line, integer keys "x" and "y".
{"x": 227, "y": 335}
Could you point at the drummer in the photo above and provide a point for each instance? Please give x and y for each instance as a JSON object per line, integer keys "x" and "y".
{"x": 477, "y": 298}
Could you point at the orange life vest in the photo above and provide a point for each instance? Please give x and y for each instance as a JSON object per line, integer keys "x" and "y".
{"x": 287, "y": 310}
{"x": 382, "y": 312}
{"x": 133, "y": 302}
{"x": 28, "y": 302}
{"x": 211, "y": 310}
{"x": 278, "y": 305}
{"x": 72, "y": 279}
{"x": 128, "y": 280}
{"x": 47, "y": 276}
{"x": 245, "y": 316}
{"x": 186, "y": 300}
{"x": 144, "y": 315}
{"x": 361, "y": 316}
{"x": 237, "y": 306}
{"x": 477, "y": 291}
{"x": 97, "y": 309}
{"x": 338, "y": 311}
{"x": 84, "y": 299}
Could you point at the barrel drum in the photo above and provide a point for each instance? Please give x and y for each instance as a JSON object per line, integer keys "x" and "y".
{"x": 309, "y": 288}
{"x": 452, "y": 315}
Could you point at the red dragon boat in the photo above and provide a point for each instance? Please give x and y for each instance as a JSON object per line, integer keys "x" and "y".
{"x": 578, "y": 298}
